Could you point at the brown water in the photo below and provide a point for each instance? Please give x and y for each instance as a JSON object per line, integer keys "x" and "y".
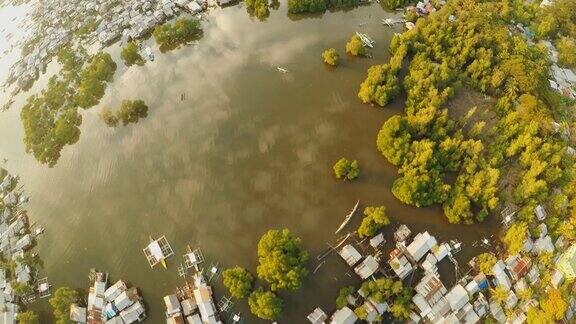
{"x": 249, "y": 149}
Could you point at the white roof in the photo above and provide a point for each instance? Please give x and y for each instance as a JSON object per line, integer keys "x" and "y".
{"x": 113, "y": 291}
{"x": 367, "y": 267}
{"x": 172, "y": 304}
{"x": 457, "y": 297}
{"x": 344, "y": 316}
{"x": 203, "y": 296}
{"x": 122, "y": 301}
{"x": 377, "y": 240}
{"x": 422, "y": 305}
{"x": 350, "y": 255}
{"x": 422, "y": 243}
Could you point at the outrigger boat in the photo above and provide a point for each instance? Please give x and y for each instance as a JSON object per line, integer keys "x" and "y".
{"x": 281, "y": 69}
{"x": 348, "y": 217}
{"x": 158, "y": 251}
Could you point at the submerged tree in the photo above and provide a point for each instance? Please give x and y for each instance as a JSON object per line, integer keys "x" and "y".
{"x": 130, "y": 54}
{"x": 61, "y": 301}
{"x": 108, "y": 117}
{"x": 375, "y": 218}
{"x": 330, "y": 57}
{"x": 347, "y": 170}
{"x": 131, "y": 111}
{"x": 238, "y": 281}
{"x": 265, "y": 304}
{"x": 184, "y": 30}
{"x": 342, "y": 299}
{"x": 355, "y": 46}
{"x": 282, "y": 260}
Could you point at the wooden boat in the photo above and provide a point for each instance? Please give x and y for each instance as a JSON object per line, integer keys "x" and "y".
{"x": 348, "y": 217}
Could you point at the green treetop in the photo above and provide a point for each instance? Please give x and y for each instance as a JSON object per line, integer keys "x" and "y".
{"x": 132, "y": 110}
{"x": 355, "y": 46}
{"x": 515, "y": 237}
{"x": 238, "y": 281}
{"x": 61, "y": 301}
{"x": 486, "y": 262}
{"x": 375, "y": 218}
{"x": 347, "y": 170}
{"x": 28, "y": 317}
{"x": 130, "y": 54}
{"x": 108, "y": 118}
{"x": 265, "y": 304}
{"x": 170, "y": 37}
{"x": 342, "y": 299}
{"x": 566, "y": 52}
{"x": 330, "y": 57}
{"x": 282, "y": 260}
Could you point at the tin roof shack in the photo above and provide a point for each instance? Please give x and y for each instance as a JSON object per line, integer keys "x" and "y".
{"x": 367, "y": 267}
{"x": 399, "y": 264}
{"x": 499, "y": 272}
{"x": 173, "y": 308}
{"x": 567, "y": 263}
{"x": 457, "y": 297}
{"x": 135, "y": 313}
{"x": 540, "y": 213}
{"x": 402, "y": 233}
{"x": 203, "y": 296}
{"x": 350, "y": 255}
{"x": 318, "y": 316}
{"x": 343, "y": 316}
{"x": 77, "y": 314}
{"x": 422, "y": 244}
{"x": 117, "y": 304}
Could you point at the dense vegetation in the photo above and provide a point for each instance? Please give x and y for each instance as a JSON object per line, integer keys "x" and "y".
{"x": 261, "y": 8}
{"x": 130, "y": 54}
{"x": 28, "y": 317}
{"x": 330, "y": 57}
{"x": 51, "y": 119}
{"x": 265, "y": 304}
{"x": 61, "y": 301}
{"x": 390, "y": 291}
{"x": 375, "y": 219}
{"x": 282, "y": 260}
{"x": 355, "y": 46}
{"x": 183, "y": 31}
{"x": 300, "y": 6}
{"x": 343, "y": 293}
{"x": 472, "y": 162}
{"x": 347, "y": 170}
{"x": 238, "y": 281}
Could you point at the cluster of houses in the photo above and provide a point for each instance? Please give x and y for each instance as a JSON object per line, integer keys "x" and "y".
{"x": 116, "y": 304}
{"x": 16, "y": 240}
{"x": 56, "y": 22}
{"x": 469, "y": 300}
{"x": 562, "y": 80}
{"x": 193, "y": 304}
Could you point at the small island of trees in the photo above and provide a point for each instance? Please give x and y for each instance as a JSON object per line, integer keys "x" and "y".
{"x": 347, "y": 170}
{"x": 282, "y": 263}
{"x": 130, "y": 111}
{"x": 330, "y": 57}
{"x": 355, "y": 46}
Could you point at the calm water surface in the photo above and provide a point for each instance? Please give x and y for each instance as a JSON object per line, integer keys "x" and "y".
{"x": 248, "y": 149}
